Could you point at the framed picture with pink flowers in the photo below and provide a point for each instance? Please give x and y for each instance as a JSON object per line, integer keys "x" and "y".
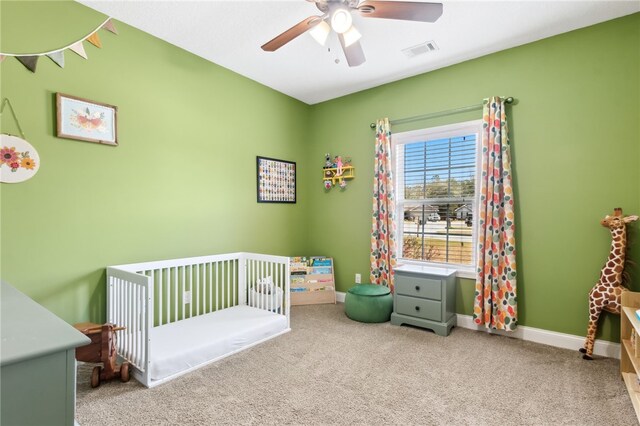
{"x": 86, "y": 120}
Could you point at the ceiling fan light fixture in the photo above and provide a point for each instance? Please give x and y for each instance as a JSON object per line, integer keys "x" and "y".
{"x": 351, "y": 36}
{"x": 320, "y": 32}
{"x": 341, "y": 20}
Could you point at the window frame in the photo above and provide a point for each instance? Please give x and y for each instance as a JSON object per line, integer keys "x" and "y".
{"x": 426, "y": 134}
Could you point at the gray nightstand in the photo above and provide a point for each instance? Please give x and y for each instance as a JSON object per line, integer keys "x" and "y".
{"x": 425, "y": 297}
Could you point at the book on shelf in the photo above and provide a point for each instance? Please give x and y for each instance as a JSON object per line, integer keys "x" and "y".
{"x": 320, "y": 261}
{"x": 307, "y": 289}
{"x": 320, "y": 270}
{"x": 325, "y": 280}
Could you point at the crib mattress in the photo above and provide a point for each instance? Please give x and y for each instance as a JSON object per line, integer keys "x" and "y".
{"x": 181, "y": 345}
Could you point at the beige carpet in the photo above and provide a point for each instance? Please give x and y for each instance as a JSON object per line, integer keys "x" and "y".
{"x": 331, "y": 370}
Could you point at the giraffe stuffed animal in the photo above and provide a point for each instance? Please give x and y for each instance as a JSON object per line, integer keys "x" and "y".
{"x": 605, "y": 295}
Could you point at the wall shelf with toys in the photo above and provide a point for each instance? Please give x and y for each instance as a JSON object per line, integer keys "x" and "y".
{"x": 337, "y": 172}
{"x": 312, "y": 281}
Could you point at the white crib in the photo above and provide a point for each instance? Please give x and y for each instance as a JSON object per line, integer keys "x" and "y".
{"x": 181, "y": 314}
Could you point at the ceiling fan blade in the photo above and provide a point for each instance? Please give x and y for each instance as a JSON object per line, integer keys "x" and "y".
{"x": 353, "y": 52}
{"x": 404, "y": 10}
{"x": 293, "y": 32}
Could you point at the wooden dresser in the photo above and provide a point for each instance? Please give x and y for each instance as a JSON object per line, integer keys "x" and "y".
{"x": 425, "y": 297}
{"x": 37, "y": 362}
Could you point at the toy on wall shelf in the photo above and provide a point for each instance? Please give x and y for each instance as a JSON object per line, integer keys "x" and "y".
{"x": 606, "y": 294}
{"x": 338, "y": 172}
{"x": 327, "y": 161}
{"x": 338, "y": 166}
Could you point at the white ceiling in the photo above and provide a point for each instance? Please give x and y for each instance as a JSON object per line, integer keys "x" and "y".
{"x": 230, "y": 34}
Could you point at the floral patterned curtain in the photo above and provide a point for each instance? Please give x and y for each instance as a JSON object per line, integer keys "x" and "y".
{"x": 383, "y": 231}
{"x": 495, "y": 303}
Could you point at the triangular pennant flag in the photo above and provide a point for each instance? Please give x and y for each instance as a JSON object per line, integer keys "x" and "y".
{"x": 29, "y": 61}
{"x": 79, "y": 49}
{"x": 109, "y": 26}
{"x": 95, "y": 40}
{"x": 2, "y": 58}
{"x": 57, "y": 57}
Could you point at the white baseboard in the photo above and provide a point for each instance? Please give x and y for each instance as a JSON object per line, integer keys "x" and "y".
{"x": 546, "y": 337}
{"x": 538, "y": 335}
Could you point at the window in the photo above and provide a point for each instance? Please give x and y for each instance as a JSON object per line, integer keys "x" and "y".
{"x": 435, "y": 174}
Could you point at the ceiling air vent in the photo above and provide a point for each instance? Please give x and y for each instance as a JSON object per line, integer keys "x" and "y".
{"x": 420, "y": 49}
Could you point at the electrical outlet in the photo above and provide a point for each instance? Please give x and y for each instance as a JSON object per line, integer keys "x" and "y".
{"x": 358, "y": 278}
{"x": 186, "y": 297}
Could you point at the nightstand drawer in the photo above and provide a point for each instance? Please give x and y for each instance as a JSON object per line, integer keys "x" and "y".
{"x": 419, "y": 287}
{"x": 421, "y": 308}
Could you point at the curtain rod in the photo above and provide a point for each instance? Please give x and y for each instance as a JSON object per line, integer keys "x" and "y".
{"x": 507, "y": 100}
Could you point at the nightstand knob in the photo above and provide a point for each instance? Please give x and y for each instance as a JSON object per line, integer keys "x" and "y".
{"x": 417, "y": 308}
{"x": 417, "y": 288}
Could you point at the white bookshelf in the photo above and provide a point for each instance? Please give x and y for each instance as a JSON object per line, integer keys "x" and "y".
{"x": 309, "y": 287}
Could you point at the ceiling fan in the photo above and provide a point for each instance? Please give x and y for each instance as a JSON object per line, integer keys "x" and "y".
{"x": 337, "y": 17}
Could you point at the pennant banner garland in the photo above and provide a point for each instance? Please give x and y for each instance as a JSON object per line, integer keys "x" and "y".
{"x": 79, "y": 49}
{"x": 110, "y": 27}
{"x": 95, "y": 40}
{"x": 30, "y": 60}
{"x": 57, "y": 57}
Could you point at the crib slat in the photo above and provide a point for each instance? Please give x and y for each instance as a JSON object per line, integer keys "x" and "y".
{"x": 211, "y": 287}
{"x": 182, "y": 293}
{"x": 233, "y": 284}
{"x": 168, "y": 295}
{"x": 216, "y": 275}
{"x": 197, "y": 290}
{"x": 158, "y": 292}
{"x": 191, "y": 291}
{"x": 155, "y": 287}
{"x": 135, "y": 324}
{"x": 175, "y": 294}
{"x": 279, "y": 275}
{"x": 263, "y": 265}
{"x": 275, "y": 285}
{"x": 125, "y": 308}
{"x": 128, "y": 317}
{"x": 224, "y": 284}
{"x": 132, "y": 319}
{"x": 251, "y": 282}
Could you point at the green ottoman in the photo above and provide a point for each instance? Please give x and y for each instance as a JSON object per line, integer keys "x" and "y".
{"x": 368, "y": 303}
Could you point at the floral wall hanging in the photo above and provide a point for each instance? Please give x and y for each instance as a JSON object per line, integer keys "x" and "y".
{"x": 19, "y": 160}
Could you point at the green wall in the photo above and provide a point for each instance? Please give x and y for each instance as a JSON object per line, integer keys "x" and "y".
{"x": 181, "y": 183}
{"x": 575, "y": 145}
